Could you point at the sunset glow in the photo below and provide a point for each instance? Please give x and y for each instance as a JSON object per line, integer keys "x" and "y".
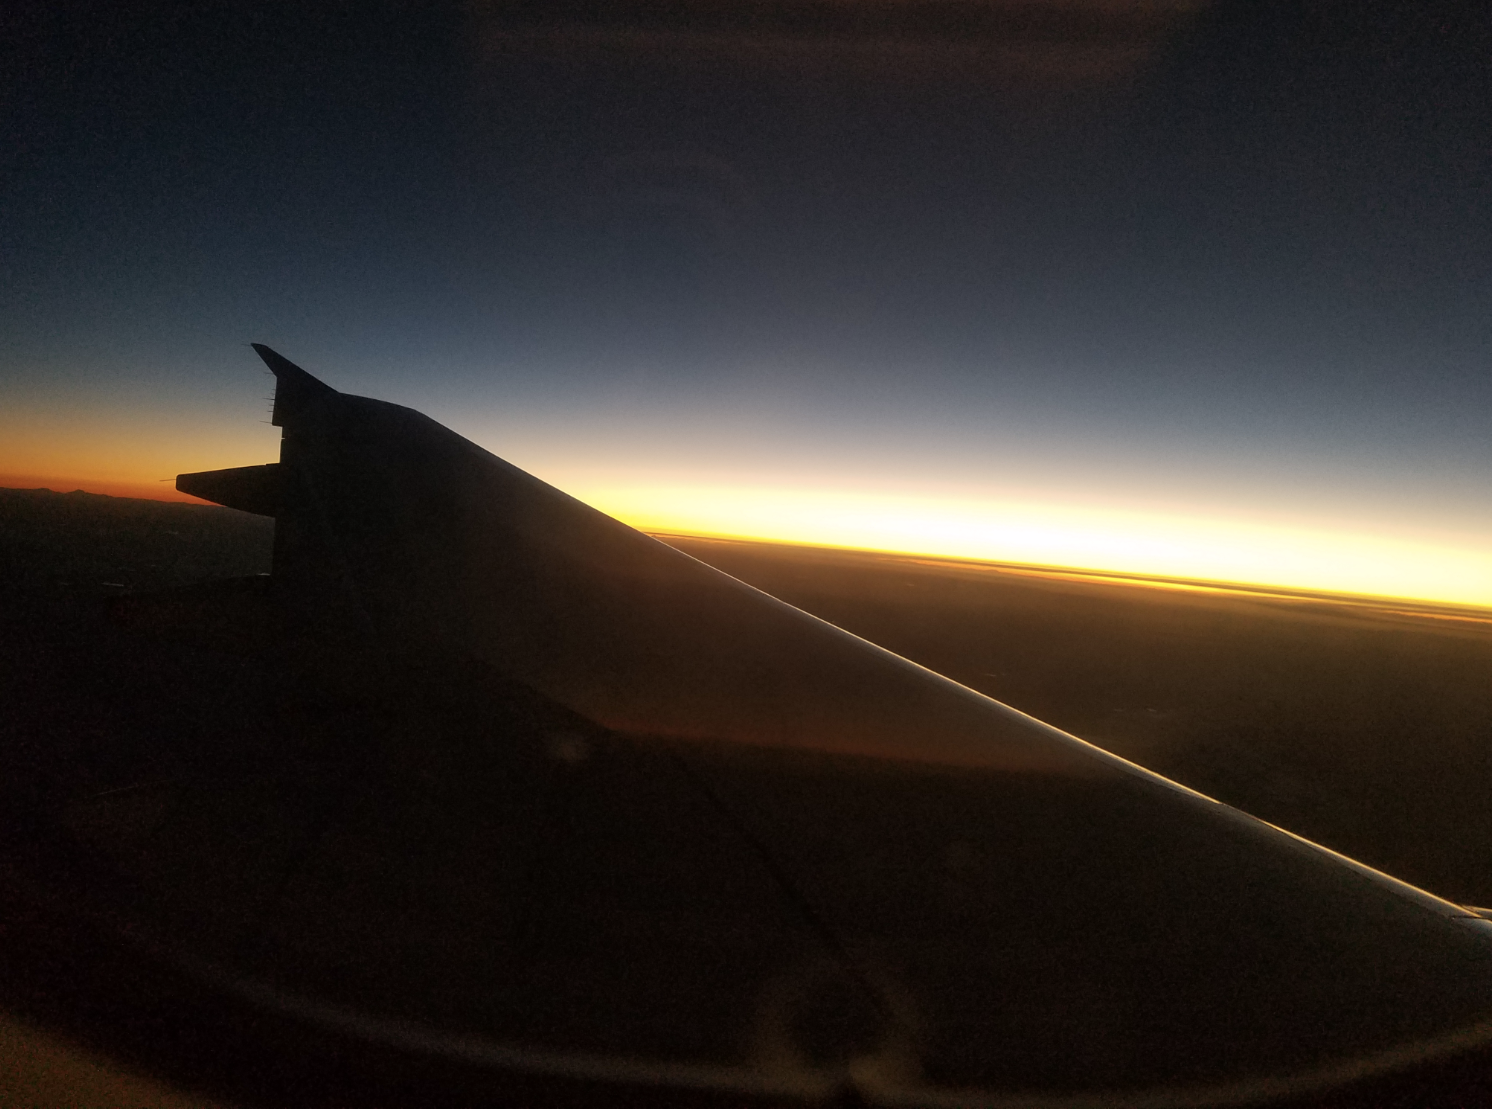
{"x": 132, "y": 450}
{"x": 1080, "y": 537}
{"x": 139, "y": 457}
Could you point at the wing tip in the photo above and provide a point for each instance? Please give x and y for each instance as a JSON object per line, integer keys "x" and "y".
{"x": 295, "y": 387}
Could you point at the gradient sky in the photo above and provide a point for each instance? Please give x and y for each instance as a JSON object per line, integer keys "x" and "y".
{"x": 1172, "y": 288}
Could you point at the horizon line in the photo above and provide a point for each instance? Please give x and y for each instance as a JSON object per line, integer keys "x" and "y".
{"x": 1404, "y": 605}
{"x": 1466, "y": 611}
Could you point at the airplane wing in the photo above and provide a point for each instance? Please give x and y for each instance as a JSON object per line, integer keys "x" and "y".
{"x": 557, "y": 802}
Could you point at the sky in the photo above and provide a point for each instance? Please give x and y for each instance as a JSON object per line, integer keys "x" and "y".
{"x": 1155, "y": 286}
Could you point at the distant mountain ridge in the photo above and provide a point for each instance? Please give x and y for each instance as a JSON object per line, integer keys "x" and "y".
{"x": 103, "y": 544}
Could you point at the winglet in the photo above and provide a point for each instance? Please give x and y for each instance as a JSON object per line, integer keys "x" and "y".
{"x": 294, "y": 388}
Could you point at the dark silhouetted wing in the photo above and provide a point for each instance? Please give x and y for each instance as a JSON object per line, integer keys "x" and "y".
{"x": 594, "y": 809}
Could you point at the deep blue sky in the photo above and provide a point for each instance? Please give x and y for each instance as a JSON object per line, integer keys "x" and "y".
{"x": 1233, "y": 262}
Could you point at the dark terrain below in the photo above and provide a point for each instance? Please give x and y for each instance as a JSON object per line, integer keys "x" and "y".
{"x": 1362, "y": 726}
{"x": 183, "y": 760}
{"x": 1365, "y": 727}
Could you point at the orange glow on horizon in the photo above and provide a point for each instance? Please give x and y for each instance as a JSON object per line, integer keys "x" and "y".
{"x": 133, "y": 449}
{"x": 1083, "y": 539}
{"x": 1095, "y": 539}
{"x": 161, "y": 490}
{"x": 136, "y": 453}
